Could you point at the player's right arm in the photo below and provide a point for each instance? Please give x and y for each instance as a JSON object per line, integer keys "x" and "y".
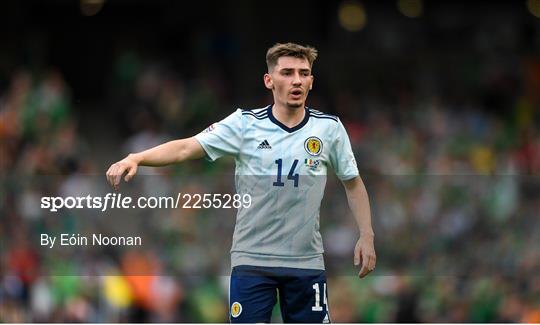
{"x": 222, "y": 138}
{"x": 171, "y": 152}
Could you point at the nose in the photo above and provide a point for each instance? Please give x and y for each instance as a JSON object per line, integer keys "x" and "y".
{"x": 296, "y": 80}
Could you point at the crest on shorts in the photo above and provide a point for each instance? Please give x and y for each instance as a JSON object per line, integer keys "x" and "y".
{"x": 313, "y": 146}
{"x": 236, "y": 309}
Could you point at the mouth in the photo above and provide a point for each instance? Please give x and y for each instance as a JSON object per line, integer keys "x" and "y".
{"x": 296, "y": 93}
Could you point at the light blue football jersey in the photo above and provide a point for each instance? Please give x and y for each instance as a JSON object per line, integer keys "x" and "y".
{"x": 284, "y": 170}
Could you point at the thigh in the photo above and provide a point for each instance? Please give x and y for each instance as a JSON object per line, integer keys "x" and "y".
{"x": 252, "y": 295}
{"x": 303, "y": 297}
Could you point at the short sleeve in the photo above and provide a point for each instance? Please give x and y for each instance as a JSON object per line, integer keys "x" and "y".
{"x": 222, "y": 138}
{"x": 342, "y": 156}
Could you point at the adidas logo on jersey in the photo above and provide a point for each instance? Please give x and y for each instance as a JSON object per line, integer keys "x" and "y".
{"x": 264, "y": 145}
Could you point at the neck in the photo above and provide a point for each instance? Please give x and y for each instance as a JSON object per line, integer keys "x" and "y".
{"x": 289, "y": 116}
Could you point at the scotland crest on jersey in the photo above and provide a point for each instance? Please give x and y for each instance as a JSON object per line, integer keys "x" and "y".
{"x": 313, "y": 146}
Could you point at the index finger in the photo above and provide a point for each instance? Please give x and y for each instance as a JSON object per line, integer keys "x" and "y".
{"x": 119, "y": 171}
{"x": 109, "y": 175}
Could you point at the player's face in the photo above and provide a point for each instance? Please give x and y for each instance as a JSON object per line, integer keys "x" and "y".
{"x": 290, "y": 81}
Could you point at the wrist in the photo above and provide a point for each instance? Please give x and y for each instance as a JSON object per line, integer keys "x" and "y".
{"x": 135, "y": 157}
{"x": 367, "y": 233}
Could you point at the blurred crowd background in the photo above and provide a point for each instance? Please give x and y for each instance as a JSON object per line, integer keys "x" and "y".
{"x": 441, "y": 102}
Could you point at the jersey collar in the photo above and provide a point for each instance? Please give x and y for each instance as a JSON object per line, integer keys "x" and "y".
{"x": 283, "y": 126}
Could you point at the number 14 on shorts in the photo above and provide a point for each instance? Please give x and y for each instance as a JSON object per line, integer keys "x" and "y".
{"x": 318, "y": 306}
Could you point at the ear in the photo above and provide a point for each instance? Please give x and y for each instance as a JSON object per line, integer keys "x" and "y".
{"x": 268, "y": 83}
{"x": 311, "y": 84}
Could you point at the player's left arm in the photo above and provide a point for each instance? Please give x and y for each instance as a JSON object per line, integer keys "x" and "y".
{"x": 364, "y": 252}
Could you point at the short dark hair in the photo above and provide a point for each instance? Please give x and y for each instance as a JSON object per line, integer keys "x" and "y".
{"x": 289, "y": 49}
